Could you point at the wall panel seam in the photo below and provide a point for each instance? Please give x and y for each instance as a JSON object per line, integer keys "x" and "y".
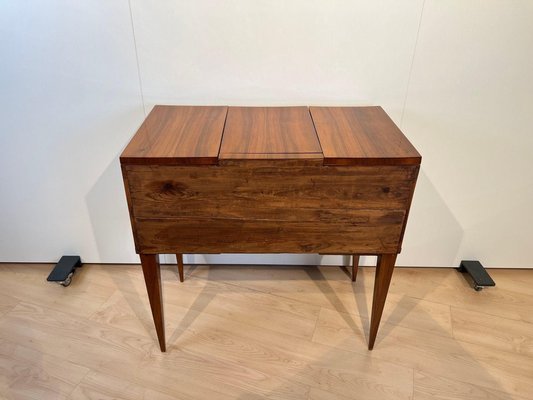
{"x": 137, "y": 58}
{"x": 412, "y": 63}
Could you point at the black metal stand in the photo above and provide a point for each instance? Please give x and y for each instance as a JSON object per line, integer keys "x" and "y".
{"x": 64, "y": 270}
{"x": 477, "y": 273}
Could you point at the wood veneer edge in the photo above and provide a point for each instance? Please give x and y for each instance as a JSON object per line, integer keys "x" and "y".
{"x": 222, "y": 135}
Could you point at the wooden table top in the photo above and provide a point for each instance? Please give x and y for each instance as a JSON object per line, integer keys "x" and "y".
{"x": 209, "y": 135}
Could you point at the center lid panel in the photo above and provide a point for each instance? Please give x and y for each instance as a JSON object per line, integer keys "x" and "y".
{"x": 269, "y": 133}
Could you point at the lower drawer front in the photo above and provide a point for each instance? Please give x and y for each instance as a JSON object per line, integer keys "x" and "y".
{"x": 369, "y": 231}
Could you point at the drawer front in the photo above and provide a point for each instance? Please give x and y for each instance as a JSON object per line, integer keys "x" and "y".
{"x": 281, "y": 194}
{"x": 368, "y": 231}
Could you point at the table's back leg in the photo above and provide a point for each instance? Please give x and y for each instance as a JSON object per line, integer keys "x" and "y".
{"x": 152, "y": 278}
{"x": 355, "y": 266}
{"x": 179, "y": 257}
{"x": 384, "y": 269}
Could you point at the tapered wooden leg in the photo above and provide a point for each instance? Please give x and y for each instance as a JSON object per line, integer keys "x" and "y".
{"x": 152, "y": 278}
{"x": 355, "y": 266}
{"x": 179, "y": 257}
{"x": 384, "y": 270}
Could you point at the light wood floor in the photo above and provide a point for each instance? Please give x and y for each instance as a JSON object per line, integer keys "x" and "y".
{"x": 264, "y": 332}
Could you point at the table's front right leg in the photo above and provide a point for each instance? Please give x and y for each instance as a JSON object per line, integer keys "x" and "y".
{"x": 384, "y": 270}
{"x": 152, "y": 278}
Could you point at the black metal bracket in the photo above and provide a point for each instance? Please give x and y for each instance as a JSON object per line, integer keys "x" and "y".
{"x": 64, "y": 270}
{"x": 477, "y": 273}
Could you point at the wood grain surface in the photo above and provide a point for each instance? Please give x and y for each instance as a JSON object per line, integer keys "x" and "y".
{"x": 269, "y": 209}
{"x": 276, "y": 332}
{"x": 384, "y": 270}
{"x": 177, "y": 135}
{"x": 257, "y": 180}
{"x": 369, "y": 232}
{"x": 152, "y": 279}
{"x": 269, "y": 132}
{"x": 355, "y": 266}
{"x": 179, "y": 260}
{"x": 361, "y": 136}
{"x": 267, "y": 192}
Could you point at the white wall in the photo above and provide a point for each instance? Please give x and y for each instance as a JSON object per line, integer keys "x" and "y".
{"x": 77, "y": 78}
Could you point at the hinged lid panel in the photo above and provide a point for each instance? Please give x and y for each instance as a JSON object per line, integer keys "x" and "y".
{"x": 361, "y": 136}
{"x": 270, "y": 133}
{"x": 177, "y": 135}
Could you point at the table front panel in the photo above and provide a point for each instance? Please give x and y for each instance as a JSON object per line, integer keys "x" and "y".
{"x": 271, "y": 193}
{"x": 211, "y": 209}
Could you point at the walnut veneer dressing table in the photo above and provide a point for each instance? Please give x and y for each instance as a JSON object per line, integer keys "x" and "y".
{"x": 330, "y": 180}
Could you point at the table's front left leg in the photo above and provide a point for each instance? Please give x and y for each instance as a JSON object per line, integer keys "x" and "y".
{"x": 152, "y": 278}
{"x": 384, "y": 269}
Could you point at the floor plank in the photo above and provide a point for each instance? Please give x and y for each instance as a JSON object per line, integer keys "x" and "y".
{"x": 7, "y": 303}
{"x": 256, "y": 332}
{"x": 299, "y": 360}
{"x": 438, "y": 355}
{"x": 82, "y": 297}
{"x": 430, "y": 387}
{"x": 98, "y": 386}
{"x": 492, "y": 331}
{"x": 328, "y": 287}
{"x": 30, "y": 374}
